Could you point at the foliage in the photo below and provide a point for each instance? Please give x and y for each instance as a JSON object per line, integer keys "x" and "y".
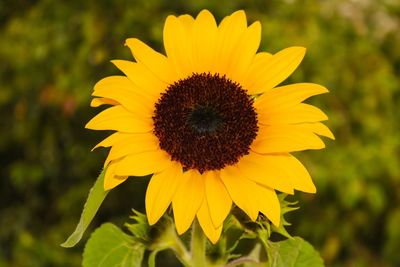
{"x": 109, "y": 246}
{"x": 52, "y": 53}
{"x": 93, "y": 202}
{"x": 294, "y": 252}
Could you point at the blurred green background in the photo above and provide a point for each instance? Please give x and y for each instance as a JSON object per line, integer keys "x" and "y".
{"x": 53, "y": 52}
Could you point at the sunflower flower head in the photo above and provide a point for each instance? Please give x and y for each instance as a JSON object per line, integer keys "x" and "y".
{"x": 209, "y": 122}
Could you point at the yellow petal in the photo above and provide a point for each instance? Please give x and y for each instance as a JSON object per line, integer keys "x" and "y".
{"x": 285, "y": 138}
{"x": 187, "y": 21}
{"x": 203, "y": 215}
{"x": 218, "y": 197}
{"x": 157, "y": 63}
{"x": 127, "y": 97}
{"x": 110, "y": 179}
{"x": 178, "y": 45}
{"x": 161, "y": 189}
{"x": 268, "y": 170}
{"x": 187, "y": 199}
{"x": 229, "y": 35}
{"x": 143, "y": 164}
{"x": 274, "y": 70}
{"x": 245, "y": 52}
{"x": 146, "y": 83}
{"x": 319, "y": 128}
{"x": 204, "y": 41}
{"x": 278, "y": 171}
{"x": 287, "y": 96}
{"x": 268, "y": 203}
{"x": 112, "y": 139}
{"x": 119, "y": 119}
{"x": 249, "y": 196}
{"x": 296, "y": 114}
{"x": 133, "y": 144}
{"x": 122, "y": 83}
{"x": 301, "y": 178}
{"x": 241, "y": 190}
{"x": 257, "y": 63}
{"x": 97, "y": 102}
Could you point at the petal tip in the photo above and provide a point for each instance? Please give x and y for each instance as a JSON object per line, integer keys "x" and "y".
{"x": 89, "y": 126}
{"x": 205, "y": 12}
{"x": 94, "y": 103}
{"x": 276, "y": 221}
{"x": 324, "y": 89}
{"x": 181, "y": 230}
{"x": 256, "y": 24}
{"x": 151, "y": 220}
{"x": 239, "y": 12}
{"x": 113, "y": 61}
{"x": 239, "y": 16}
{"x": 301, "y": 49}
{"x": 310, "y": 188}
{"x": 170, "y": 18}
{"x": 296, "y": 51}
{"x": 130, "y": 41}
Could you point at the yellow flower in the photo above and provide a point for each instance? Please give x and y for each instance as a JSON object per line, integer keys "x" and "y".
{"x": 209, "y": 123}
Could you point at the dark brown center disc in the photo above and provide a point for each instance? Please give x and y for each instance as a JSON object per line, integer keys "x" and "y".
{"x": 205, "y": 122}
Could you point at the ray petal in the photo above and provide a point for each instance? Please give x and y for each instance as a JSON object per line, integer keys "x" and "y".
{"x": 287, "y": 96}
{"x": 229, "y": 33}
{"x": 178, "y": 45}
{"x": 97, "y": 102}
{"x": 160, "y": 191}
{"x": 143, "y": 80}
{"x": 142, "y": 164}
{"x": 133, "y": 144}
{"x": 241, "y": 190}
{"x": 131, "y": 100}
{"x": 218, "y": 197}
{"x": 297, "y": 114}
{"x": 110, "y": 179}
{"x": 245, "y": 52}
{"x": 267, "y": 170}
{"x": 187, "y": 199}
{"x": 285, "y": 138}
{"x": 204, "y": 41}
{"x": 119, "y": 119}
{"x": 203, "y": 215}
{"x": 156, "y": 62}
{"x": 268, "y": 203}
{"x": 274, "y": 70}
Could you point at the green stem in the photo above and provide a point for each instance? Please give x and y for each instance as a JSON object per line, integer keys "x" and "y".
{"x": 198, "y": 246}
{"x": 181, "y": 252}
{"x": 170, "y": 239}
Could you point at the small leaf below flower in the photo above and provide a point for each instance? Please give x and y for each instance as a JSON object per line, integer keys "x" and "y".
{"x": 294, "y": 252}
{"x": 110, "y": 247}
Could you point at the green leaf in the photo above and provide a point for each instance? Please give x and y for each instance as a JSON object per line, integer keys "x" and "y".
{"x": 110, "y": 247}
{"x": 93, "y": 202}
{"x": 294, "y": 252}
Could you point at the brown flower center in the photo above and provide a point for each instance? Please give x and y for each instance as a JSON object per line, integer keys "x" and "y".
{"x": 205, "y": 122}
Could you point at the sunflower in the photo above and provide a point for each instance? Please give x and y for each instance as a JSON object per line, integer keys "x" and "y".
{"x": 207, "y": 121}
